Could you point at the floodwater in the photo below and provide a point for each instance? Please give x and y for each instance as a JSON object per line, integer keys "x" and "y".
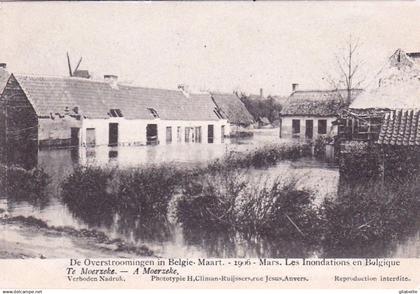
{"x": 168, "y": 239}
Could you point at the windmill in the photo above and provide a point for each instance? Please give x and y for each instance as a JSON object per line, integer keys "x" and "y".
{"x": 80, "y": 73}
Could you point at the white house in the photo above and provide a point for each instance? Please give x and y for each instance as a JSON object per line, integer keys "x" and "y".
{"x": 311, "y": 113}
{"x": 72, "y": 111}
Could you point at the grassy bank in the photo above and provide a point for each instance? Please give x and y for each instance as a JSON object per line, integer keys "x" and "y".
{"x": 85, "y": 238}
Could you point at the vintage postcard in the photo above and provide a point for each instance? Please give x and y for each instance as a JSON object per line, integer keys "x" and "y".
{"x": 209, "y": 145}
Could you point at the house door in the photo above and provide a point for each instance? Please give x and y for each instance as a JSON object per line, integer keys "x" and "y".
{"x": 280, "y": 126}
{"x": 210, "y": 133}
{"x": 90, "y": 137}
{"x": 222, "y": 134}
{"x": 74, "y": 138}
{"x": 113, "y": 134}
{"x": 168, "y": 135}
{"x": 152, "y": 134}
{"x": 309, "y": 132}
{"x": 198, "y": 134}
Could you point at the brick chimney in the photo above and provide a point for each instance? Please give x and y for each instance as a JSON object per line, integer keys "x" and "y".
{"x": 295, "y": 87}
{"x": 261, "y": 93}
{"x": 112, "y": 80}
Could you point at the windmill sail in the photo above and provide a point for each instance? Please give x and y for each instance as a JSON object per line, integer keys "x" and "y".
{"x": 69, "y": 64}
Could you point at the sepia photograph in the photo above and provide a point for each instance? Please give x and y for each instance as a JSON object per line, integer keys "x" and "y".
{"x": 210, "y": 130}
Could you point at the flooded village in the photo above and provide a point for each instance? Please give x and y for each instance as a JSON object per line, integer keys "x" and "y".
{"x": 98, "y": 166}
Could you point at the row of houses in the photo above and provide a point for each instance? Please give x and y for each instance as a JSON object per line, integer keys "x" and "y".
{"x": 79, "y": 111}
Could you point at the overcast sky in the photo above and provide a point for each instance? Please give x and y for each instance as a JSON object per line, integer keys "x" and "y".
{"x": 218, "y": 46}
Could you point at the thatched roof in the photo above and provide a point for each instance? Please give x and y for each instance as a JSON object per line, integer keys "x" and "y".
{"x": 316, "y": 102}
{"x": 232, "y": 108}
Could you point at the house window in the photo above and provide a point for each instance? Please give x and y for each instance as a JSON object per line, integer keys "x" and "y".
{"x": 296, "y": 126}
{"x": 115, "y": 113}
{"x": 187, "y": 135}
{"x": 280, "y": 127}
{"x": 90, "y": 137}
{"x": 222, "y": 134}
{"x": 179, "y": 135}
{"x": 113, "y": 134}
{"x": 198, "y": 134}
{"x": 309, "y": 130}
{"x": 210, "y": 133}
{"x": 322, "y": 126}
{"x": 152, "y": 134}
{"x": 153, "y": 112}
{"x": 168, "y": 134}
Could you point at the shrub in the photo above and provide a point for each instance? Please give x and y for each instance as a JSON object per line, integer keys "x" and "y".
{"x": 320, "y": 144}
{"x": 20, "y": 184}
{"x": 359, "y": 161}
{"x": 282, "y": 211}
{"x": 261, "y": 157}
{"x": 209, "y": 201}
{"x": 94, "y": 193}
{"x": 89, "y": 193}
{"x": 148, "y": 190}
{"x": 228, "y": 202}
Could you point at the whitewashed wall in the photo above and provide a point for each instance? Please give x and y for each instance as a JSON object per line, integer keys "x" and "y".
{"x": 133, "y": 132}
{"x": 183, "y": 124}
{"x": 57, "y": 128}
{"x": 286, "y": 128}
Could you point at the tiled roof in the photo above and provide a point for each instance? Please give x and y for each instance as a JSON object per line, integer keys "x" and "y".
{"x": 94, "y": 99}
{"x": 316, "y": 103}
{"x": 401, "y": 127}
{"x": 232, "y": 108}
{"x": 4, "y": 76}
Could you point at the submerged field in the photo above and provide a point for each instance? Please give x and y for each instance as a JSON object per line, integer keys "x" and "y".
{"x": 269, "y": 200}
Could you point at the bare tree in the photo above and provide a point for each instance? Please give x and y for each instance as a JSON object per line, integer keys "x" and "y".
{"x": 349, "y": 75}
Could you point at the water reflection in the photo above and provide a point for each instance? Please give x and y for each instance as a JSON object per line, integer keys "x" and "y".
{"x": 231, "y": 244}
